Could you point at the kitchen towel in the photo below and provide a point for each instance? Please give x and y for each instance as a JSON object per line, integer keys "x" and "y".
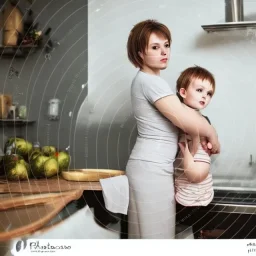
{"x": 116, "y": 193}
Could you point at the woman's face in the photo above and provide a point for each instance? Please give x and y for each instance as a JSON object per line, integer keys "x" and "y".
{"x": 156, "y": 55}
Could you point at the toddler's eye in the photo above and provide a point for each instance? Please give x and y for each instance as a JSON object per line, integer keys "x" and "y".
{"x": 199, "y": 90}
{"x": 210, "y": 94}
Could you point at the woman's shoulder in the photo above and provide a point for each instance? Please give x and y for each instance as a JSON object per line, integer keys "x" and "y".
{"x": 149, "y": 80}
{"x": 151, "y": 87}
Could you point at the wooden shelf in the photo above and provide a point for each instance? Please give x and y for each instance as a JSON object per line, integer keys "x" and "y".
{"x": 19, "y": 51}
{"x": 16, "y": 122}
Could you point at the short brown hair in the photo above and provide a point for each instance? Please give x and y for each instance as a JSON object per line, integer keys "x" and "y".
{"x": 197, "y": 72}
{"x": 139, "y": 38}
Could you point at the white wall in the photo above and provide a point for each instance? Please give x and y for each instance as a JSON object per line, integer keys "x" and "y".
{"x": 231, "y": 56}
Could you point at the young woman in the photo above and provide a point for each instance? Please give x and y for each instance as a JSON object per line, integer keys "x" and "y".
{"x": 158, "y": 113}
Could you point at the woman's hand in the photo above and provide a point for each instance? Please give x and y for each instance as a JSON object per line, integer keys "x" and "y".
{"x": 188, "y": 120}
{"x": 206, "y": 145}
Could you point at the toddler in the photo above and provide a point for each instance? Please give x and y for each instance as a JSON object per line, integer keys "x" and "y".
{"x": 193, "y": 180}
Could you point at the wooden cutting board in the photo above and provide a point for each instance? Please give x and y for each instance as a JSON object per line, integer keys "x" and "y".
{"x": 24, "y": 215}
{"x": 55, "y": 184}
{"x": 90, "y": 174}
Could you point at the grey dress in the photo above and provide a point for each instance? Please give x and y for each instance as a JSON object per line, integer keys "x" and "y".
{"x": 150, "y": 167}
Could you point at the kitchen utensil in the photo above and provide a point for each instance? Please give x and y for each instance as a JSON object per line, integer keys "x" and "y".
{"x": 22, "y": 112}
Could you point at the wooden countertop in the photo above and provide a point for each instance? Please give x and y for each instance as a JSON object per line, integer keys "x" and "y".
{"x": 24, "y": 214}
{"x": 55, "y": 184}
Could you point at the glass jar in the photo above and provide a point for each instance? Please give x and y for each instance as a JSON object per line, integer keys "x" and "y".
{"x": 22, "y": 110}
{"x": 53, "y": 109}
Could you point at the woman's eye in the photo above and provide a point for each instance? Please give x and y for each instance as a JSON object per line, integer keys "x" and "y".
{"x": 154, "y": 47}
{"x": 167, "y": 45}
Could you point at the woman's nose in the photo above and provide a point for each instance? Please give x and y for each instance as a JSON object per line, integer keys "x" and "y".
{"x": 163, "y": 52}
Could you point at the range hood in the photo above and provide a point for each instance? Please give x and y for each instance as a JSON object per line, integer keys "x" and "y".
{"x": 234, "y": 18}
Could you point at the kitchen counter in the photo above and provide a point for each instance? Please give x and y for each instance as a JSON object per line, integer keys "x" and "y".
{"x": 79, "y": 225}
{"x": 89, "y": 198}
{"x": 85, "y": 218}
{"x": 92, "y": 197}
{"x": 233, "y": 203}
{"x": 55, "y": 184}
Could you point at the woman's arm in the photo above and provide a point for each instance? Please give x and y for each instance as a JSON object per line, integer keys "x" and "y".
{"x": 188, "y": 120}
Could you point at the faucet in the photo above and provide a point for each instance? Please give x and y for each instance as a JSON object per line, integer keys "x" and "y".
{"x": 251, "y": 162}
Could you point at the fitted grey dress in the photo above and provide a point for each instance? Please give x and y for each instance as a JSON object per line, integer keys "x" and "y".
{"x": 149, "y": 170}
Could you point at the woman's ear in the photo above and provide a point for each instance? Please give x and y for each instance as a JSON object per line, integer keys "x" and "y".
{"x": 141, "y": 55}
{"x": 183, "y": 93}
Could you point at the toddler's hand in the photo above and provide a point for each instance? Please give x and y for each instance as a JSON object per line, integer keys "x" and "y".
{"x": 187, "y": 156}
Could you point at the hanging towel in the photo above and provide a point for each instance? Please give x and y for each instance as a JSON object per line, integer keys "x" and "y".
{"x": 116, "y": 193}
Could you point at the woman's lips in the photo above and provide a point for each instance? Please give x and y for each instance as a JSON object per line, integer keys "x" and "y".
{"x": 164, "y": 60}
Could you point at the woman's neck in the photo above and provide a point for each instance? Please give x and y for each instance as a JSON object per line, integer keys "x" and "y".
{"x": 150, "y": 71}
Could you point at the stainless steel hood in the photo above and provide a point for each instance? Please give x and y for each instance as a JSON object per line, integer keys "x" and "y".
{"x": 234, "y": 18}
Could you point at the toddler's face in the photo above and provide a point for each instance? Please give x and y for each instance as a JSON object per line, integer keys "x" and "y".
{"x": 198, "y": 94}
